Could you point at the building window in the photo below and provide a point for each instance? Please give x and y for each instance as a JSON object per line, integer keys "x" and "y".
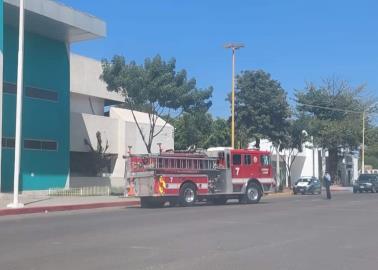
{"x": 9, "y": 88}
{"x": 7, "y": 142}
{"x": 34, "y": 92}
{"x": 41, "y": 145}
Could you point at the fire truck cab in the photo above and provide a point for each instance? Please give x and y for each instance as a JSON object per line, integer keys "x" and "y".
{"x": 215, "y": 176}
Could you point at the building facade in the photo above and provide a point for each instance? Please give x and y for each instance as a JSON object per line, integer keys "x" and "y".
{"x": 50, "y": 28}
{"x": 89, "y": 97}
{"x": 63, "y": 103}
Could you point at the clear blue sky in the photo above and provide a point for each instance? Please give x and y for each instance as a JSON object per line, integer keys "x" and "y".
{"x": 294, "y": 40}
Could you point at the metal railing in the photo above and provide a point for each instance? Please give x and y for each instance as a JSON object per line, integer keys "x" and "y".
{"x": 83, "y": 191}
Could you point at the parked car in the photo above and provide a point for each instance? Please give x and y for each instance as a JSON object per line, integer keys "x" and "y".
{"x": 307, "y": 185}
{"x": 366, "y": 183}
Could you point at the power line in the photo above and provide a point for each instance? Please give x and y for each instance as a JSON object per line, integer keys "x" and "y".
{"x": 333, "y": 109}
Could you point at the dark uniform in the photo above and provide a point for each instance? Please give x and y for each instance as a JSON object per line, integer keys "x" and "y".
{"x": 327, "y": 183}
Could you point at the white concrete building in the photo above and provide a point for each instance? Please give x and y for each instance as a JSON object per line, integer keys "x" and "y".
{"x": 310, "y": 162}
{"x": 88, "y": 97}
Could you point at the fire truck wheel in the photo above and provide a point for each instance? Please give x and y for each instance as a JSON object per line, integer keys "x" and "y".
{"x": 252, "y": 194}
{"x": 188, "y": 194}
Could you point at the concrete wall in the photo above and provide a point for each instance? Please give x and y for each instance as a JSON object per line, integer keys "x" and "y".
{"x": 85, "y": 126}
{"x": 85, "y": 79}
{"x": 86, "y": 104}
{"x": 129, "y": 135}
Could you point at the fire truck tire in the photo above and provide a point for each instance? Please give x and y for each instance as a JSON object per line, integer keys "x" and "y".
{"x": 188, "y": 194}
{"x": 252, "y": 194}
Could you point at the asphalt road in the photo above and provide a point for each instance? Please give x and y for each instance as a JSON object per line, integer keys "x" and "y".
{"x": 299, "y": 232}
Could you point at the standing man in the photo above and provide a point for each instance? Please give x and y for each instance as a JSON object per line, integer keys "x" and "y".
{"x": 327, "y": 183}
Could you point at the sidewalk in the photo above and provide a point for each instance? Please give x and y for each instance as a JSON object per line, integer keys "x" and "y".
{"x": 39, "y": 203}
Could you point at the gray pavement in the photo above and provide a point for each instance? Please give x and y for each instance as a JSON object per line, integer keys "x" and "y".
{"x": 296, "y": 232}
{"x": 37, "y": 200}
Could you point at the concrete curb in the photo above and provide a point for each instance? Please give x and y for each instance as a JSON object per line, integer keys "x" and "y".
{"x": 59, "y": 208}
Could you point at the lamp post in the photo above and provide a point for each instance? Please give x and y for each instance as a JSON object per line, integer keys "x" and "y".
{"x": 17, "y": 148}
{"x": 233, "y": 47}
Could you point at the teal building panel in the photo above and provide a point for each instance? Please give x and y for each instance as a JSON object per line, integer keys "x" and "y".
{"x": 46, "y": 67}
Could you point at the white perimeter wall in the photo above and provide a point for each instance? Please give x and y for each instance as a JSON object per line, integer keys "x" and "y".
{"x": 119, "y": 133}
{"x": 85, "y": 126}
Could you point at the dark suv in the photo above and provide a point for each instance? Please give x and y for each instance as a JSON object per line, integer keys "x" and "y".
{"x": 366, "y": 182}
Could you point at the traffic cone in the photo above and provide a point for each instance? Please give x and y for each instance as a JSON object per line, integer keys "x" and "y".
{"x": 131, "y": 189}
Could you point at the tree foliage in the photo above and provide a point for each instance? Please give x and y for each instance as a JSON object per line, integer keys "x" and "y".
{"x": 155, "y": 88}
{"x": 339, "y": 127}
{"x": 99, "y": 159}
{"x": 200, "y": 130}
{"x": 262, "y": 108}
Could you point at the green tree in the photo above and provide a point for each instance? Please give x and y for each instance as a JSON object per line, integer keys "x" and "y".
{"x": 155, "y": 88}
{"x": 336, "y": 128}
{"x": 262, "y": 108}
{"x": 220, "y": 134}
{"x": 200, "y": 130}
{"x": 192, "y": 129}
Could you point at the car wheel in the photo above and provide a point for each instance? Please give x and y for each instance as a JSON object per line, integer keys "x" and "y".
{"x": 252, "y": 194}
{"x": 188, "y": 195}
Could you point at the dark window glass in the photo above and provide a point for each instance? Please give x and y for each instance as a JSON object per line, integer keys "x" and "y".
{"x": 49, "y": 145}
{"x": 7, "y": 142}
{"x": 9, "y": 88}
{"x": 236, "y": 159}
{"x": 40, "y": 145}
{"x": 32, "y": 144}
{"x": 41, "y": 94}
{"x": 247, "y": 159}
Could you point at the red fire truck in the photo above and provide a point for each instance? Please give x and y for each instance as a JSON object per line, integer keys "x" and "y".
{"x": 215, "y": 175}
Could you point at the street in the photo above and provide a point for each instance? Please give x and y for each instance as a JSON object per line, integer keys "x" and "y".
{"x": 296, "y": 232}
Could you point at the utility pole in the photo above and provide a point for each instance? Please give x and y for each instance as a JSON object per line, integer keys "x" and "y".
{"x": 20, "y": 75}
{"x": 233, "y": 47}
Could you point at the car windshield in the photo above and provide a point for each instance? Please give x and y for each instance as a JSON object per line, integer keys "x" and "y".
{"x": 304, "y": 180}
{"x": 364, "y": 178}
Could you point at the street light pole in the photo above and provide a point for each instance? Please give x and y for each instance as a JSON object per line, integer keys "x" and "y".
{"x": 20, "y": 69}
{"x": 233, "y": 47}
